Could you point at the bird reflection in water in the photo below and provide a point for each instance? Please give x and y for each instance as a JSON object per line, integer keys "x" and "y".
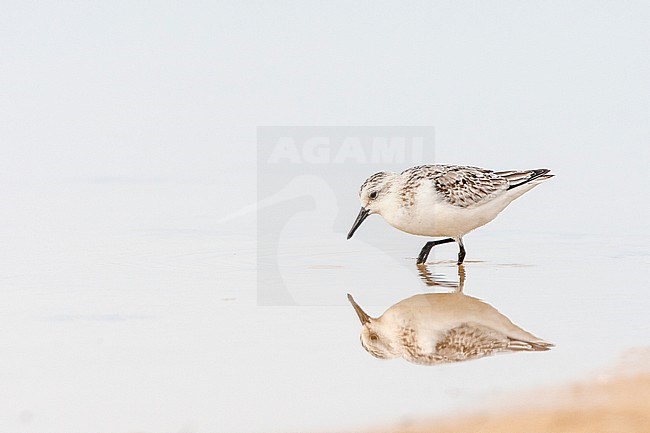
{"x": 437, "y": 328}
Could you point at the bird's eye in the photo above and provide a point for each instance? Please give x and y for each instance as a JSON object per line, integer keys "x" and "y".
{"x": 373, "y": 337}
{"x": 373, "y": 195}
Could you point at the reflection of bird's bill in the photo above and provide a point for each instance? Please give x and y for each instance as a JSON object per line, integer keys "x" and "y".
{"x": 363, "y": 317}
{"x": 363, "y": 214}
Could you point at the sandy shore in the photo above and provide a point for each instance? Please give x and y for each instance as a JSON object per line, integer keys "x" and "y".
{"x": 614, "y": 401}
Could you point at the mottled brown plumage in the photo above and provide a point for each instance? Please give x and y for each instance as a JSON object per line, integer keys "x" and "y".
{"x": 443, "y": 200}
{"x": 438, "y": 328}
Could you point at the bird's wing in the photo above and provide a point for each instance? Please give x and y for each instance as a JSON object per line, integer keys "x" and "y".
{"x": 516, "y": 178}
{"x": 460, "y": 186}
{"x": 470, "y": 340}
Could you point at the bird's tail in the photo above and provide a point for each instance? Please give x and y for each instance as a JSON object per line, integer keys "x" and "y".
{"x": 518, "y": 178}
{"x": 530, "y": 346}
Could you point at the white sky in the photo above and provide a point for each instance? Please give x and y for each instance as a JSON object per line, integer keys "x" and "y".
{"x": 172, "y": 90}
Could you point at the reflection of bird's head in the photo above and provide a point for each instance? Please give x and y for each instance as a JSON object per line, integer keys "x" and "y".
{"x": 373, "y": 336}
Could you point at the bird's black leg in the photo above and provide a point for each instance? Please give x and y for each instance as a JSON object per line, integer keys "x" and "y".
{"x": 424, "y": 254}
{"x": 461, "y": 252}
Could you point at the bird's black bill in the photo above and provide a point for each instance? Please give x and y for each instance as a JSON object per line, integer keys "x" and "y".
{"x": 363, "y": 317}
{"x": 363, "y": 214}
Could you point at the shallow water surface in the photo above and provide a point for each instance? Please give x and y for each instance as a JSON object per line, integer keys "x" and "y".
{"x": 144, "y": 315}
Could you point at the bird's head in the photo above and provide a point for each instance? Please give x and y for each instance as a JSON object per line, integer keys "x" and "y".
{"x": 373, "y": 339}
{"x": 375, "y": 196}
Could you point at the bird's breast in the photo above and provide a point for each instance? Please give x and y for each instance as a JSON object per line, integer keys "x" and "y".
{"x": 428, "y": 218}
{"x": 434, "y": 217}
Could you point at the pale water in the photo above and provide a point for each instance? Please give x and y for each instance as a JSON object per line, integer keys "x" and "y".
{"x": 124, "y": 307}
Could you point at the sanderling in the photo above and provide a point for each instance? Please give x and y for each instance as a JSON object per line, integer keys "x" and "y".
{"x": 443, "y": 200}
{"x": 437, "y": 328}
